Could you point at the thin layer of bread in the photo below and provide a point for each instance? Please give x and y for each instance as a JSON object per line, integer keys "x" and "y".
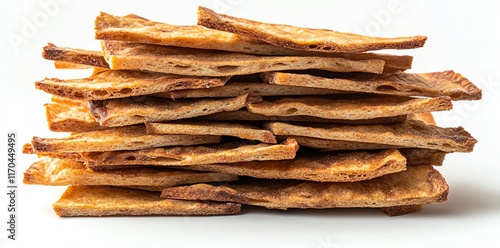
{"x": 132, "y": 28}
{"x": 116, "y": 201}
{"x": 231, "y": 152}
{"x": 348, "y": 107}
{"x": 304, "y": 39}
{"x": 60, "y": 172}
{"x": 417, "y": 185}
{"x": 107, "y": 84}
{"x": 321, "y": 167}
{"x": 74, "y": 55}
{"x": 196, "y": 62}
{"x": 412, "y": 134}
{"x": 122, "y": 138}
{"x": 240, "y": 130}
{"x": 70, "y": 117}
{"x": 71, "y": 65}
{"x": 435, "y": 84}
{"x": 233, "y": 89}
{"x": 135, "y": 110}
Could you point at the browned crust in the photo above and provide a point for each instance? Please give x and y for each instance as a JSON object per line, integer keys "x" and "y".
{"x": 64, "y": 117}
{"x": 415, "y": 186}
{"x": 232, "y": 152}
{"x": 319, "y": 40}
{"x": 187, "y": 61}
{"x": 118, "y": 84}
{"x": 321, "y": 167}
{"x": 115, "y": 201}
{"x": 435, "y": 84}
{"x": 412, "y": 134}
{"x": 79, "y": 56}
{"x": 61, "y": 172}
{"x": 401, "y": 210}
{"x": 349, "y": 107}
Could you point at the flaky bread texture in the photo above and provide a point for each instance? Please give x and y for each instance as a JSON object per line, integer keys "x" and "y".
{"x": 417, "y": 185}
{"x": 187, "y": 61}
{"x": 320, "y": 167}
{"x": 240, "y": 130}
{"x": 231, "y": 152}
{"x": 130, "y": 111}
{"x": 115, "y": 201}
{"x": 304, "y": 39}
{"x": 348, "y": 107}
{"x": 74, "y": 55}
{"x": 132, "y": 28}
{"x": 434, "y": 84}
{"x": 107, "y": 84}
{"x": 66, "y": 115}
{"x": 61, "y": 172}
{"x": 122, "y": 138}
{"x": 414, "y": 134}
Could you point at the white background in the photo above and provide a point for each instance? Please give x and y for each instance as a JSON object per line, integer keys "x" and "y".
{"x": 461, "y": 36}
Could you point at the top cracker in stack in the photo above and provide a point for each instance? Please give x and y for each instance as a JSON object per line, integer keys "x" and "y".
{"x": 213, "y": 115}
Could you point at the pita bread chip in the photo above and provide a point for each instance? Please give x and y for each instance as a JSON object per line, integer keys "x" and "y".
{"x": 402, "y": 210}
{"x": 115, "y": 201}
{"x": 233, "y": 89}
{"x": 187, "y": 61}
{"x": 321, "y": 167}
{"x": 59, "y": 172}
{"x": 70, "y": 118}
{"x": 304, "y": 39}
{"x": 240, "y": 130}
{"x": 118, "y": 84}
{"x": 244, "y": 115}
{"x": 73, "y": 55}
{"x": 123, "y": 138}
{"x": 231, "y": 152}
{"x": 70, "y": 65}
{"x": 418, "y": 156}
{"x": 135, "y": 110}
{"x": 446, "y": 83}
{"x": 349, "y": 107}
{"x": 412, "y": 134}
{"x": 417, "y": 185}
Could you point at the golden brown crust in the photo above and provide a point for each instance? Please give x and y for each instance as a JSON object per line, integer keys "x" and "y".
{"x": 108, "y": 84}
{"x": 116, "y": 201}
{"x": 64, "y": 117}
{"x": 78, "y": 56}
{"x": 446, "y": 83}
{"x": 136, "y": 110}
{"x": 305, "y": 39}
{"x": 349, "y": 107}
{"x": 240, "y": 130}
{"x": 414, "y": 134}
{"x": 321, "y": 167}
{"x": 415, "y": 186}
{"x": 232, "y": 152}
{"x": 187, "y": 61}
{"x": 122, "y": 138}
{"x": 401, "y": 210}
{"x": 60, "y": 172}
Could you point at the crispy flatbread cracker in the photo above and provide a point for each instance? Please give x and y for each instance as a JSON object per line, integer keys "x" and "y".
{"x": 74, "y": 55}
{"x": 240, "y": 130}
{"x": 244, "y": 115}
{"x": 70, "y": 65}
{"x": 132, "y": 28}
{"x": 135, "y": 110}
{"x": 349, "y": 107}
{"x": 233, "y": 89}
{"x": 239, "y": 151}
{"x": 435, "y": 84}
{"x": 321, "y": 167}
{"x": 122, "y": 138}
{"x": 418, "y": 156}
{"x": 68, "y": 116}
{"x": 401, "y": 210}
{"x": 116, "y": 201}
{"x": 417, "y": 185}
{"x": 196, "y": 62}
{"x": 414, "y": 134}
{"x": 107, "y": 84}
{"x": 59, "y": 172}
{"x": 304, "y": 39}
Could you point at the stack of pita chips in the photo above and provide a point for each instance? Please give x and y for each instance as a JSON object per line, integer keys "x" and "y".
{"x": 198, "y": 120}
